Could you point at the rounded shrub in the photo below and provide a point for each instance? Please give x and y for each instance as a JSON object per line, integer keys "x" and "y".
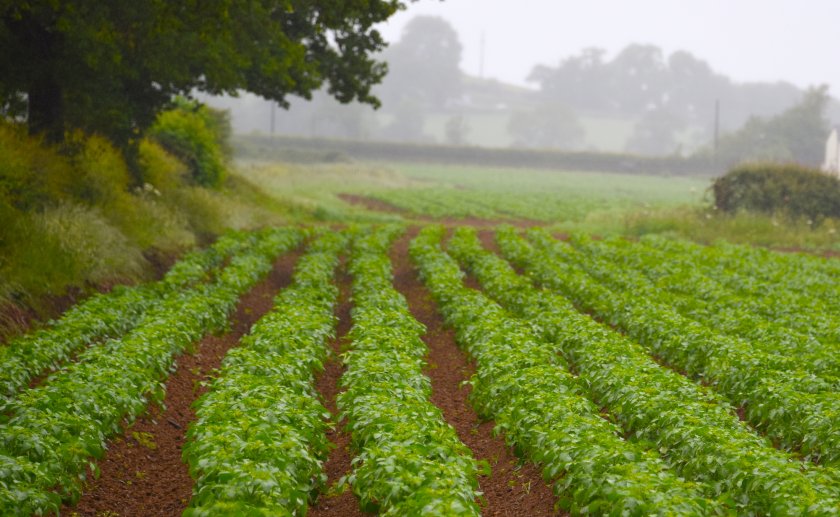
{"x": 101, "y": 173}
{"x": 159, "y": 168}
{"x": 32, "y": 175}
{"x": 787, "y": 189}
{"x": 192, "y": 134}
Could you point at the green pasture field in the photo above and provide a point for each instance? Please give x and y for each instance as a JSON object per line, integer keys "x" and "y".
{"x": 597, "y": 203}
{"x": 501, "y": 193}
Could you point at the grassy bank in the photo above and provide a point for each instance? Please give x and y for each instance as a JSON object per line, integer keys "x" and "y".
{"x": 76, "y": 218}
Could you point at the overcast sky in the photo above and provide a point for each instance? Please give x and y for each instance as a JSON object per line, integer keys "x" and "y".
{"x": 748, "y": 40}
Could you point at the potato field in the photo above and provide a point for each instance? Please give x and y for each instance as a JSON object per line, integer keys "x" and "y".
{"x": 435, "y": 370}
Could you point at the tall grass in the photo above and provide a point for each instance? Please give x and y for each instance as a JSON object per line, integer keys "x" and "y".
{"x": 706, "y": 225}
{"x": 74, "y": 218}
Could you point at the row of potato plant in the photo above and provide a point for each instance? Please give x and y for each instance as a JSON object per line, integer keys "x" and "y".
{"x": 795, "y": 296}
{"x": 655, "y": 275}
{"x": 409, "y": 460}
{"x": 259, "y": 440}
{"x": 103, "y": 316}
{"x": 696, "y": 432}
{"x": 796, "y": 409}
{"x": 542, "y": 408}
{"x": 808, "y": 274}
{"x": 51, "y": 433}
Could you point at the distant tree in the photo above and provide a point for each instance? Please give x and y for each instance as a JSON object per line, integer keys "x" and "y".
{"x": 329, "y": 118}
{"x": 547, "y": 126}
{"x": 407, "y": 123}
{"x": 424, "y": 65}
{"x": 580, "y": 81}
{"x": 456, "y": 130}
{"x": 654, "y": 134}
{"x": 110, "y": 66}
{"x": 693, "y": 87}
{"x": 797, "y": 134}
{"x": 639, "y": 78}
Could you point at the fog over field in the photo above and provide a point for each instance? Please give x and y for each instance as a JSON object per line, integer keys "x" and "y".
{"x": 645, "y": 78}
{"x": 747, "y": 40}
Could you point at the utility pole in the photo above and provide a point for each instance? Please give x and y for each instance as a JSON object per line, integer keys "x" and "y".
{"x": 717, "y": 132}
{"x": 273, "y": 107}
{"x": 481, "y": 57}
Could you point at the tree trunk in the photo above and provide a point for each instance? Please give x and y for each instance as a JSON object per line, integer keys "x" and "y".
{"x": 36, "y": 48}
{"x": 46, "y": 110}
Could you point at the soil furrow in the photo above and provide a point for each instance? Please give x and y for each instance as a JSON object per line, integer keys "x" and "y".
{"x": 142, "y": 474}
{"x": 515, "y": 487}
{"x": 488, "y": 241}
{"x": 338, "y": 464}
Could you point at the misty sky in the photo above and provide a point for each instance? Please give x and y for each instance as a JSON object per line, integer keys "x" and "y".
{"x": 747, "y": 40}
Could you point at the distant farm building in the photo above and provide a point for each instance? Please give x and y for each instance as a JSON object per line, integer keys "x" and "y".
{"x": 832, "y": 153}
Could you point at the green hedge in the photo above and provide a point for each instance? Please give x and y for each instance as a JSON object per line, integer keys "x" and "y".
{"x": 280, "y": 148}
{"x": 786, "y": 189}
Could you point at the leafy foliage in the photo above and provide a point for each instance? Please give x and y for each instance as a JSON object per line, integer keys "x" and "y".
{"x": 109, "y": 68}
{"x": 424, "y": 66}
{"x": 193, "y": 134}
{"x": 786, "y": 189}
{"x": 31, "y": 175}
{"x": 410, "y": 461}
{"x": 797, "y": 134}
{"x": 259, "y": 441}
{"x": 795, "y": 408}
{"x": 773, "y": 323}
{"x": 49, "y": 434}
{"x": 542, "y": 409}
{"x": 807, "y": 283}
{"x": 694, "y": 430}
{"x": 106, "y": 316}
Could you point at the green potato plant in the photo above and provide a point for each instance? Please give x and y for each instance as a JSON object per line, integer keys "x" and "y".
{"x": 409, "y": 460}
{"x": 259, "y": 441}
{"x": 51, "y": 433}
{"x": 542, "y": 408}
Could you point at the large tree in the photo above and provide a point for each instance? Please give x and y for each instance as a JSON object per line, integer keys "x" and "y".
{"x": 110, "y": 66}
{"x": 424, "y": 65}
{"x": 639, "y": 80}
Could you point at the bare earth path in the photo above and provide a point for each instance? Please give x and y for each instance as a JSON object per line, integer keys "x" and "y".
{"x": 142, "y": 474}
{"x": 338, "y": 463}
{"x": 513, "y": 488}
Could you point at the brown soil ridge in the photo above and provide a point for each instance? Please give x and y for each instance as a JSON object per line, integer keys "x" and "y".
{"x": 377, "y": 205}
{"x": 338, "y": 464}
{"x": 142, "y": 473}
{"x": 515, "y": 487}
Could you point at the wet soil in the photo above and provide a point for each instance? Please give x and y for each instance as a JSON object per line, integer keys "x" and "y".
{"x": 338, "y": 463}
{"x": 142, "y": 473}
{"x": 514, "y": 487}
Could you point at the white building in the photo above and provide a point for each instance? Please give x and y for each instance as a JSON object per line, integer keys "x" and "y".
{"x": 832, "y": 153}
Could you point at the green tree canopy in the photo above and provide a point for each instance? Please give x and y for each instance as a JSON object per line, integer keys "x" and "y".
{"x": 424, "y": 65}
{"x": 109, "y": 67}
{"x": 797, "y": 134}
{"x": 641, "y": 78}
